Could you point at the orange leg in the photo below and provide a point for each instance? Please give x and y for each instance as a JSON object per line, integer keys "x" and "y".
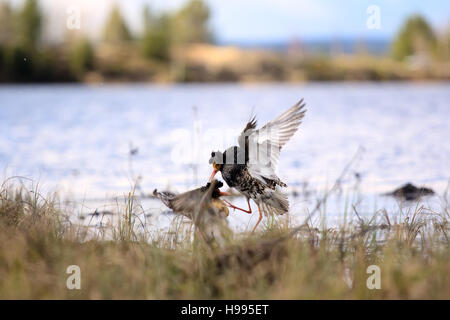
{"x": 249, "y": 211}
{"x": 260, "y": 218}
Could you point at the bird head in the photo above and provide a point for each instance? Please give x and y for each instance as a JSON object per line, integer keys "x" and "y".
{"x": 216, "y": 192}
{"x": 217, "y": 162}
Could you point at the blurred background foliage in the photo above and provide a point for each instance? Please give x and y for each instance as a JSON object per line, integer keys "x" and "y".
{"x": 156, "y": 38}
{"x": 180, "y": 46}
{"x": 415, "y": 37}
{"x": 116, "y": 29}
{"x": 82, "y": 57}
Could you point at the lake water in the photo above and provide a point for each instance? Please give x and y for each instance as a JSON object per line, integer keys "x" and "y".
{"x": 77, "y": 139}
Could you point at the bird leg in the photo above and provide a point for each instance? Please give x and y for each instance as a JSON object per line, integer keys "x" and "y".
{"x": 260, "y": 217}
{"x": 249, "y": 211}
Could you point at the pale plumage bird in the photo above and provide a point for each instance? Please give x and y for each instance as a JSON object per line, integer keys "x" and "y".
{"x": 186, "y": 203}
{"x": 250, "y": 167}
{"x": 204, "y": 207}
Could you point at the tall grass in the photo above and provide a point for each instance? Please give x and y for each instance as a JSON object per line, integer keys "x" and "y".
{"x": 38, "y": 242}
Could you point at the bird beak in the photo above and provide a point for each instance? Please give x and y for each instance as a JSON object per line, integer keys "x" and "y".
{"x": 212, "y": 175}
{"x": 227, "y": 194}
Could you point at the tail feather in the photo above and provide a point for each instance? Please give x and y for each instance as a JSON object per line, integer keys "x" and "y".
{"x": 275, "y": 202}
{"x": 165, "y": 197}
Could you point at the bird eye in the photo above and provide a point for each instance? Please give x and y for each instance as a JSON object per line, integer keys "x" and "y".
{"x": 213, "y": 154}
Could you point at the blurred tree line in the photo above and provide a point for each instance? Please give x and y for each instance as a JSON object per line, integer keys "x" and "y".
{"x": 21, "y": 55}
{"x": 26, "y": 57}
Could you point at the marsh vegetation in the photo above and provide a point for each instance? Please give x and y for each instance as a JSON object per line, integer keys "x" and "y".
{"x": 38, "y": 241}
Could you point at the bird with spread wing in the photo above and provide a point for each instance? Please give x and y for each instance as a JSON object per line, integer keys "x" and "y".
{"x": 250, "y": 167}
{"x": 204, "y": 207}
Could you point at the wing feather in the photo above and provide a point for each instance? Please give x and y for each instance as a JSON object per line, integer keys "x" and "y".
{"x": 263, "y": 146}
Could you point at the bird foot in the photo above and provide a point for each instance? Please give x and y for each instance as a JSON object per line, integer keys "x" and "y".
{"x": 234, "y": 207}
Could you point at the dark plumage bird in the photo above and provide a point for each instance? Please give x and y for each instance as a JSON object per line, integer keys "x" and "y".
{"x": 250, "y": 167}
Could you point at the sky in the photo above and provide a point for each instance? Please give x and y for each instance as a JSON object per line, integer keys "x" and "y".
{"x": 261, "y": 21}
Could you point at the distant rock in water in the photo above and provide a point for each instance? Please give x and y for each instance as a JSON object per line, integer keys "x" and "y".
{"x": 100, "y": 213}
{"x": 410, "y": 192}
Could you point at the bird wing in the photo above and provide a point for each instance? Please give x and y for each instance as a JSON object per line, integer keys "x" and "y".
{"x": 165, "y": 197}
{"x": 244, "y": 137}
{"x": 262, "y": 147}
{"x": 185, "y": 203}
{"x": 195, "y": 202}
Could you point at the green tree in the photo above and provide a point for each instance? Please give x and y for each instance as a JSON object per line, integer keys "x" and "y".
{"x": 147, "y": 18}
{"x": 415, "y": 36}
{"x": 156, "y": 41}
{"x": 156, "y": 38}
{"x": 29, "y": 25}
{"x": 116, "y": 29}
{"x": 191, "y": 23}
{"x": 7, "y": 21}
{"x": 21, "y": 33}
{"x": 6, "y": 33}
{"x": 82, "y": 57}
{"x": 444, "y": 45}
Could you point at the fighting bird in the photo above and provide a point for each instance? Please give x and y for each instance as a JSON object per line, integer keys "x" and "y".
{"x": 204, "y": 207}
{"x": 250, "y": 167}
{"x": 186, "y": 203}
